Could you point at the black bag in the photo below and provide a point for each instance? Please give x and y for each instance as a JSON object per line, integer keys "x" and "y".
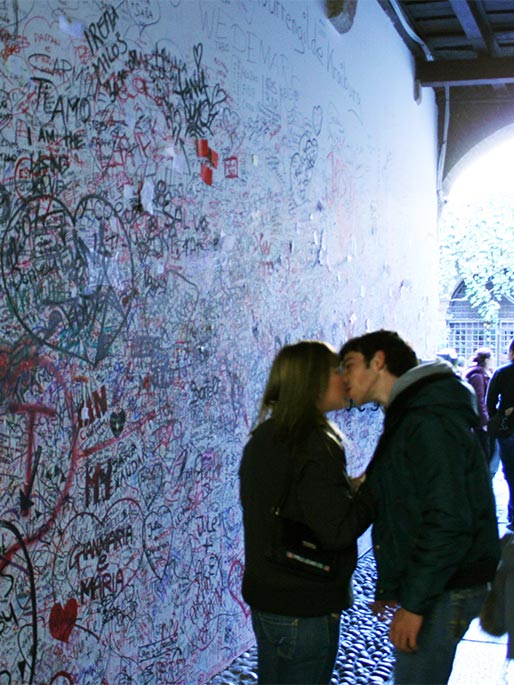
{"x": 498, "y": 602}
{"x": 501, "y": 426}
{"x": 295, "y": 547}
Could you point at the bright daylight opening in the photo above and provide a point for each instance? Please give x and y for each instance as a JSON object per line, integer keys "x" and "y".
{"x": 491, "y": 173}
{"x": 476, "y": 231}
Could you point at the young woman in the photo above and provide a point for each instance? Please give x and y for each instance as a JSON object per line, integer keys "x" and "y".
{"x": 479, "y": 375}
{"x": 295, "y": 449}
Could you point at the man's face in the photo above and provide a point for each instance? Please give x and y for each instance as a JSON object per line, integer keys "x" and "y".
{"x": 359, "y": 378}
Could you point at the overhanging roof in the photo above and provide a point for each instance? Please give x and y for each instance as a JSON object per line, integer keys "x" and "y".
{"x": 464, "y": 49}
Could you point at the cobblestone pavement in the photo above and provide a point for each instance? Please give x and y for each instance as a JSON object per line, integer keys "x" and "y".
{"x": 365, "y": 654}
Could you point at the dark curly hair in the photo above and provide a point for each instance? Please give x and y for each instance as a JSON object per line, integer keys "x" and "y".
{"x": 399, "y": 355}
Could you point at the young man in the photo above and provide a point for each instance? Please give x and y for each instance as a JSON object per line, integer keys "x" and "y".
{"x": 500, "y": 398}
{"x": 435, "y": 536}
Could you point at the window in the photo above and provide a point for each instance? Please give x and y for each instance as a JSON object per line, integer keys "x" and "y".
{"x": 466, "y": 331}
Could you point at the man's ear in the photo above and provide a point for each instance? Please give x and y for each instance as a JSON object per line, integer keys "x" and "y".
{"x": 378, "y": 361}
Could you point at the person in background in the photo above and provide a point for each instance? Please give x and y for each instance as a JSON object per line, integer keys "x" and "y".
{"x": 435, "y": 534}
{"x": 478, "y": 376}
{"x": 449, "y": 354}
{"x": 296, "y": 618}
{"x": 500, "y": 398}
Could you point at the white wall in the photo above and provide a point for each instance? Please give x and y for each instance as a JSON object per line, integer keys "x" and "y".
{"x": 186, "y": 186}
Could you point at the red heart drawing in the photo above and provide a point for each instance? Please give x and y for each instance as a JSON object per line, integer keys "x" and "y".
{"x": 61, "y": 674}
{"x": 235, "y": 577}
{"x": 62, "y": 620}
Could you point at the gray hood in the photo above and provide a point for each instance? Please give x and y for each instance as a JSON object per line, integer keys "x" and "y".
{"x": 447, "y": 393}
{"x": 417, "y": 373}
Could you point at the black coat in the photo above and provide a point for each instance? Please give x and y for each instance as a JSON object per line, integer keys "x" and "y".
{"x": 321, "y": 497}
{"x": 500, "y": 391}
{"x": 436, "y": 520}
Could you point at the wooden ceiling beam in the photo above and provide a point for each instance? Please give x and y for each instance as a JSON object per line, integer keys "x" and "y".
{"x": 470, "y": 25}
{"x": 465, "y": 72}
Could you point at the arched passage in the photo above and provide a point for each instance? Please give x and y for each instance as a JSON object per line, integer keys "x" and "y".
{"x": 467, "y": 120}
{"x": 474, "y": 154}
{"x": 475, "y": 231}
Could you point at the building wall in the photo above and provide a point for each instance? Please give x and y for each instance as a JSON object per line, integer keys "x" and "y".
{"x": 185, "y": 187}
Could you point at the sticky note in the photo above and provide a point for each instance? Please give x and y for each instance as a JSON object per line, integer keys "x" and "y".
{"x": 213, "y": 158}
{"x": 202, "y": 147}
{"x": 206, "y": 174}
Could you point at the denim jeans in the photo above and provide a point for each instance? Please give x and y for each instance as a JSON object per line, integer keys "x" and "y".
{"x": 506, "y": 447}
{"x": 442, "y": 629}
{"x": 495, "y": 457}
{"x": 293, "y": 650}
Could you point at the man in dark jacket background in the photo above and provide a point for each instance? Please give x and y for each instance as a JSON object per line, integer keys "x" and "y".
{"x": 435, "y": 536}
{"x": 500, "y": 398}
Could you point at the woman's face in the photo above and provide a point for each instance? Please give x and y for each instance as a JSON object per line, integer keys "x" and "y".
{"x": 334, "y": 397}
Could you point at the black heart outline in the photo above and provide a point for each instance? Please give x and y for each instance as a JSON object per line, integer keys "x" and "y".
{"x": 33, "y": 204}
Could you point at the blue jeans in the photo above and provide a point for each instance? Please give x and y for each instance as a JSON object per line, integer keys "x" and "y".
{"x": 506, "y": 447}
{"x": 293, "y": 650}
{"x": 442, "y": 629}
{"x": 495, "y": 457}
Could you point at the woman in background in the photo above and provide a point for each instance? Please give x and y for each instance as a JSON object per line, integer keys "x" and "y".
{"x": 296, "y": 617}
{"x": 478, "y": 375}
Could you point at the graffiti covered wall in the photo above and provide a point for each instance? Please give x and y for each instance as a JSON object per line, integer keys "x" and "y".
{"x": 185, "y": 186}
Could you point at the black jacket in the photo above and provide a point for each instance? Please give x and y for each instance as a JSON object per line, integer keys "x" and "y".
{"x": 321, "y": 497}
{"x": 436, "y": 520}
{"x": 500, "y": 391}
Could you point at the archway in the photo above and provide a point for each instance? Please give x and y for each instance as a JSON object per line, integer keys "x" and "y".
{"x": 477, "y": 261}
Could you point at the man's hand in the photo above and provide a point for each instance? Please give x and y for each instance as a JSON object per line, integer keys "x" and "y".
{"x": 404, "y": 630}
